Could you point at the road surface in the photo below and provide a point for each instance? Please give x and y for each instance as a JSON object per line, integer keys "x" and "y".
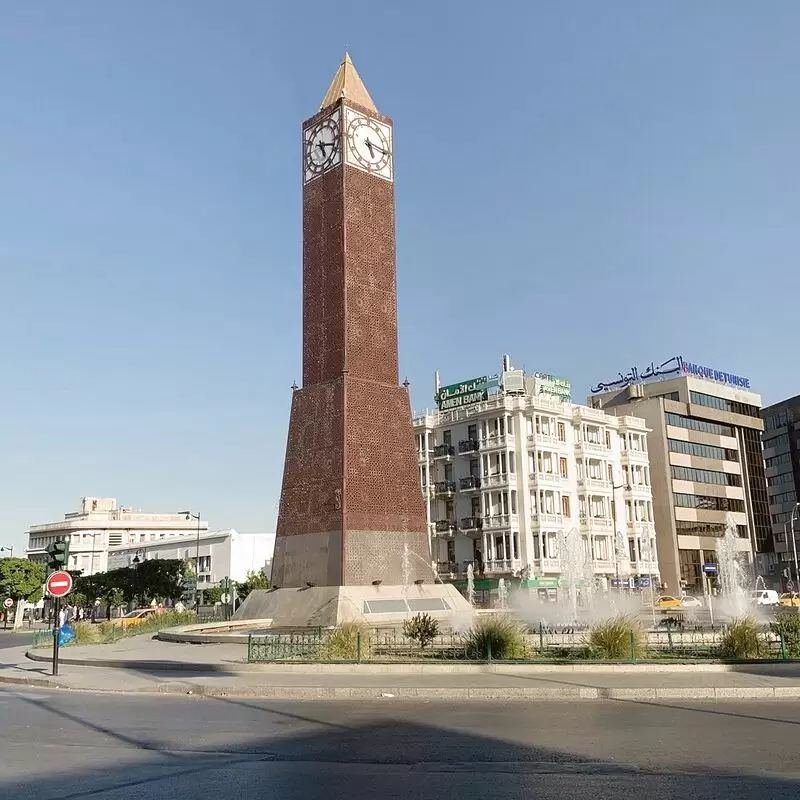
{"x": 72, "y": 745}
{"x": 10, "y": 639}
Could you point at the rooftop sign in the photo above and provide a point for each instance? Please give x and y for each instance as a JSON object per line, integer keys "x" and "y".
{"x": 552, "y": 385}
{"x": 677, "y": 365}
{"x": 463, "y": 394}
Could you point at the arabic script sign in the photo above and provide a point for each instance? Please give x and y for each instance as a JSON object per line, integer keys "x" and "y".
{"x": 676, "y": 365}
{"x": 463, "y": 394}
{"x": 552, "y": 385}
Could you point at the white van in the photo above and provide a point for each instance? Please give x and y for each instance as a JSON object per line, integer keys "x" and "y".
{"x": 764, "y": 597}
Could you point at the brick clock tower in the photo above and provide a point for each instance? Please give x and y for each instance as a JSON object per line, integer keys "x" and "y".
{"x": 351, "y": 510}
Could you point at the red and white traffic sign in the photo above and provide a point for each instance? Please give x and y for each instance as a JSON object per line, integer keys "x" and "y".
{"x": 59, "y": 584}
{"x": 8, "y": 602}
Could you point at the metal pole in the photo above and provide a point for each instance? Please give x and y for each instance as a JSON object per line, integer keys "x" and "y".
{"x": 197, "y": 564}
{"x": 56, "y": 632}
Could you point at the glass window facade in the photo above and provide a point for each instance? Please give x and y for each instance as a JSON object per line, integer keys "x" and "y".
{"x": 699, "y": 425}
{"x": 707, "y": 528}
{"x": 702, "y": 450}
{"x": 754, "y": 468}
{"x": 706, "y": 476}
{"x": 721, "y": 404}
{"x": 708, "y": 503}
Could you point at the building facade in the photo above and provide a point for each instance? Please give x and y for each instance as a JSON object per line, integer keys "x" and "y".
{"x": 98, "y": 525}
{"x": 222, "y": 554}
{"x": 781, "y": 439}
{"x": 505, "y": 478}
{"x": 706, "y": 465}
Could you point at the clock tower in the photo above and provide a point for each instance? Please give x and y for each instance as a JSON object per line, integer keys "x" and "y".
{"x": 351, "y": 510}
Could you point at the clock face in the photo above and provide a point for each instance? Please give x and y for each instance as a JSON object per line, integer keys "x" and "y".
{"x": 369, "y": 144}
{"x": 322, "y": 147}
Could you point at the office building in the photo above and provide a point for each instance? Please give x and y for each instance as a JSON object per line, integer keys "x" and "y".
{"x": 100, "y": 524}
{"x": 508, "y": 465}
{"x": 781, "y": 439}
{"x": 222, "y": 554}
{"x": 706, "y": 463}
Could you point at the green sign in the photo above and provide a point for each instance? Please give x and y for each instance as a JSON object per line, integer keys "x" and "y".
{"x": 553, "y": 386}
{"x": 466, "y": 393}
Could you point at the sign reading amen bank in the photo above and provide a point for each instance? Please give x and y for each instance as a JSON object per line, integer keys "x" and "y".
{"x": 677, "y": 365}
{"x": 466, "y": 393}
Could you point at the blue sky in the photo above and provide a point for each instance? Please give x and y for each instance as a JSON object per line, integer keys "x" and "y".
{"x": 586, "y": 186}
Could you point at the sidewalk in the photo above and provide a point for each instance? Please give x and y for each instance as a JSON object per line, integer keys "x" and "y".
{"x": 146, "y": 665}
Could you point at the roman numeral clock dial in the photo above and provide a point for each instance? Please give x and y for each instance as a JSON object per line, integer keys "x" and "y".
{"x": 322, "y": 148}
{"x": 368, "y": 144}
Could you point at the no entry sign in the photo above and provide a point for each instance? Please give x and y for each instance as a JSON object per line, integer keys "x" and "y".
{"x": 8, "y": 602}
{"x": 59, "y": 584}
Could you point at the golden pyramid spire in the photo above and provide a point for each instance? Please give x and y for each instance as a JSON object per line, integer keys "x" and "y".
{"x": 347, "y": 84}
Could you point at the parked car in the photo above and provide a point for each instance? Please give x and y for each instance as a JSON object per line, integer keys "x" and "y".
{"x": 789, "y": 600}
{"x": 764, "y": 597}
{"x": 135, "y": 617}
{"x": 689, "y": 601}
{"x": 665, "y": 601}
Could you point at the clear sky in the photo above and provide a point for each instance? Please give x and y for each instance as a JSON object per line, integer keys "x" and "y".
{"x": 587, "y": 186}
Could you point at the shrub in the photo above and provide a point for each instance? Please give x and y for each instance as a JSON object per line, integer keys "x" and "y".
{"x": 741, "y": 639}
{"x": 499, "y": 634}
{"x": 787, "y": 628}
{"x": 613, "y": 638}
{"x": 422, "y": 629}
{"x": 348, "y": 642}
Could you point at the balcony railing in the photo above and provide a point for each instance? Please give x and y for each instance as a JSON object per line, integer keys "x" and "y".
{"x": 470, "y": 483}
{"x": 444, "y": 451}
{"x": 471, "y": 524}
{"x": 500, "y": 521}
{"x": 595, "y": 483}
{"x": 552, "y": 478}
{"x": 499, "y": 479}
{"x": 502, "y": 565}
{"x": 495, "y": 440}
{"x": 445, "y": 526}
{"x": 444, "y": 488}
{"x": 603, "y": 566}
{"x": 636, "y": 455}
{"x": 550, "y": 564}
{"x": 468, "y": 446}
{"x": 538, "y": 520}
{"x": 597, "y": 523}
{"x": 593, "y": 447}
{"x": 547, "y": 439}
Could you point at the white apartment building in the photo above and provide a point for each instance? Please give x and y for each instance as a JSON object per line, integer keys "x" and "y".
{"x": 222, "y": 554}
{"x": 505, "y": 477}
{"x": 99, "y": 524}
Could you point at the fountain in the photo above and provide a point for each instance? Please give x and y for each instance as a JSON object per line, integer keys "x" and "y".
{"x": 502, "y": 594}
{"x": 405, "y": 568}
{"x": 471, "y": 585}
{"x": 573, "y": 564}
{"x": 734, "y": 579}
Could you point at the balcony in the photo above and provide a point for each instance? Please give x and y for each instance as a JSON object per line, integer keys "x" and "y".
{"x": 545, "y": 439}
{"x": 604, "y": 567}
{"x": 550, "y": 564}
{"x": 641, "y": 527}
{"x": 500, "y": 521}
{"x": 471, "y": 524}
{"x": 493, "y": 481}
{"x": 496, "y": 441}
{"x": 597, "y": 523}
{"x": 549, "y": 479}
{"x": 639, "y": 456}
{"x": 445, "y": 527}
{"x": 444, "y": 451}
{"x": 444, "y": 488}
{"x": 595, "y": 483}
{"x": 422, "y": 456}
{"x": 593, "y": 447}
{"x": 472, "y": 483}
{"x": 468, "y": 446}
{"x": 502, "y": 566}
{"x": 638, "y": 489}
{"x": 539, "y": 521}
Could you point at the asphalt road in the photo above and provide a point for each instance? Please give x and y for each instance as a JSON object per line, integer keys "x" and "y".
{"x": 71, "y": 745}
{"x": 8, "y": 639}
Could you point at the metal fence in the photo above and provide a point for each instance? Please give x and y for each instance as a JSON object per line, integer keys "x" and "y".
{"x": 363, "y": 645}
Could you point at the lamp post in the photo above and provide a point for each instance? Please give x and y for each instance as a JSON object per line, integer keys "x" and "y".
{"x": 197, "y": 593}
{"x": 10, "y": 550}
{"x": 614, "y": 488}
{"x": 135, "y": 564}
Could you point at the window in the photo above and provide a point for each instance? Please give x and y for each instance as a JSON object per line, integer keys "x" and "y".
{"x": 706, "y": 476}
{"x": 778, "y": 480}
{"x": 511, "y": 460}
{"x": 699, "y": 425}
{"x": 783, "y": 497}
{"x": 707, "y": 528}
{"x": 513, "y": 501}
{"x": 708, "y": 503}
{"x": 702, "y": 450}
{"x": 565, "y": 506}
{"x": 562, "y": 467}
{"x": 777, "y": 441}
{"x": 562, "y": 432}
{"x": 721, "y": 404}
{"x": 447, "y": 437}
{"x": 778, "y": 420}
{"x": 777, "y": 461}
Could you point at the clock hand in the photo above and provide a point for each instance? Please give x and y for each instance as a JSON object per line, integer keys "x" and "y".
{"x": 368, "y": 143}
{"x": 322, "y": 146}
{"x": 374, "y": 147}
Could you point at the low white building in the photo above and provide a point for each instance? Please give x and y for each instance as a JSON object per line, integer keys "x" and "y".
{"x": 509, "y": 465}
{"x": 99, "y": 524}
{"x": 222, "y": 554}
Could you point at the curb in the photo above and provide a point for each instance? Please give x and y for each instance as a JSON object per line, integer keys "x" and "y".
{"x": 42, "y": 682}
{"x": 146, "y": 665}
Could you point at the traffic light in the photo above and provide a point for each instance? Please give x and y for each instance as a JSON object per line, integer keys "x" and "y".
{"x": 58, "y": 553}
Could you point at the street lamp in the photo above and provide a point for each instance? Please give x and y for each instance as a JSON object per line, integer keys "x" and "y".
{"x": 135, "y": 564}
{"x": 8, "y": 549}
{"x": 614, "y": 488}
{"x": 196, "y": 516}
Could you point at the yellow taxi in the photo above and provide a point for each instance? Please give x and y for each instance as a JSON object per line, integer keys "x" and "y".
{"x": 665, "y": 601}
{"x": 789, "y": 600}
{"x": 135, "y": 617}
